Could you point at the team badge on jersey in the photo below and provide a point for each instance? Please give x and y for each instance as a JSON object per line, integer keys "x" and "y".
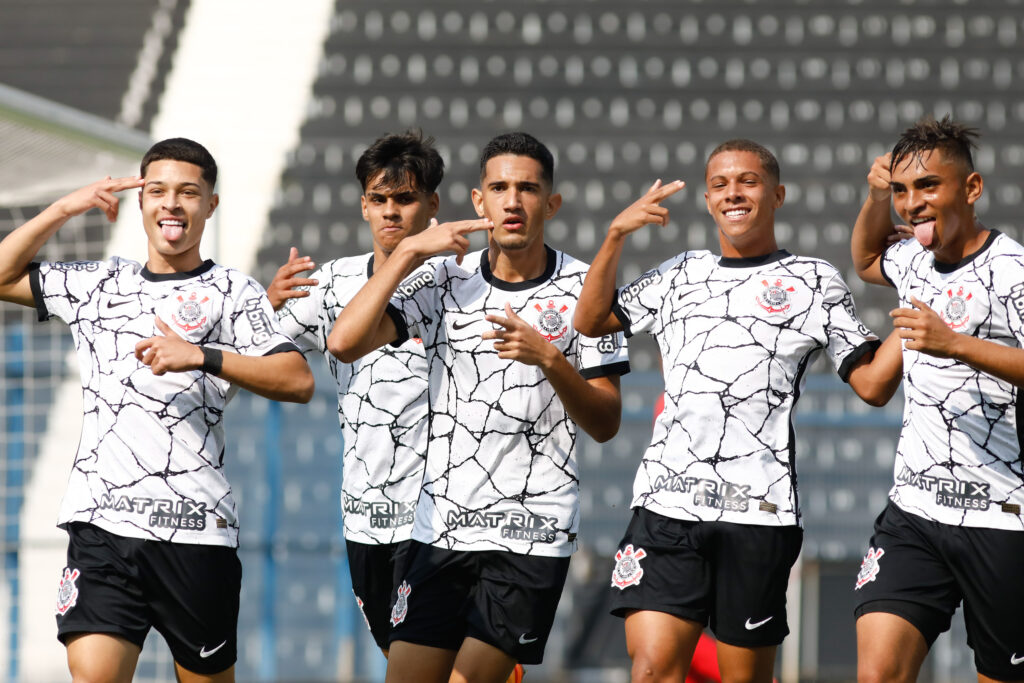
{"x": 359, "y": 601}
{"x": 401, "y": 607}
{"x": 67, "y": 593}
{"x": 190, "y": 315}
{"x": 775, "y": 298}
{"x": 954, "y": 313}
{"x": 869, "y": 567}
{"x": 627, "y": 570}
{"x": 551, "y": 321}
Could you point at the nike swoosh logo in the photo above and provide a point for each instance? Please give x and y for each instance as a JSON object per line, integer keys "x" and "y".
{"x": 523, "y": 640}
{"x": 204, "y": 653}
{"x": 115, "y": 304}
{"x": 1015, "y": 660}
{"x": 751, "y": 626}
{"x": 457, "y": 326}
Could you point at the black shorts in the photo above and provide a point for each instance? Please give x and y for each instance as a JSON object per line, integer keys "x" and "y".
{"x": 375, "y": 571}
{"x": 504, "y": 599}
{"x": 733, "y": 576}
{"x": 123, "y": 586}
{"x": 920, "y": 570}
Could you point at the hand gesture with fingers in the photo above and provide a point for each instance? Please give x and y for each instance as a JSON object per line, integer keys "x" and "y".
{"x": 98, "y": 195}
{"x": 168, "y": 353}
{"x": 879, "y": 179}
{"x": 518, "y": 340}
{"x": 921, "y": 329}
{"x": 647, "y": 209}
{"x": 285, "y": 285}
{"x": 899, "y": 233}
{"x": 439, "y": 238}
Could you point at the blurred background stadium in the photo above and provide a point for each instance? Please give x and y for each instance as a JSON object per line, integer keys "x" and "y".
{"x": 287, "y": 95}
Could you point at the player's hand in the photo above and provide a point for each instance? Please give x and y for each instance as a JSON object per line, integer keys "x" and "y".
{"x": 285, "y": 285}
{"x": 921, "y": 329}
{"x": 444, "y": 237}
{"x": 899, "y": 233}
{"x": 168, "y": 353}
{"x": 879, "y": 179}
{"x": 98, "y": 195}
{"x": 518, "y": 340}
{"x": 647, "y": 209}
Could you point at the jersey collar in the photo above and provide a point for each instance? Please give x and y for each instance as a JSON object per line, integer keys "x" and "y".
{"x": 164, "y": 277}
{"x": 489, "y": 278}
{"x": 751, "y": 261}
{"x": 951, "y": 267}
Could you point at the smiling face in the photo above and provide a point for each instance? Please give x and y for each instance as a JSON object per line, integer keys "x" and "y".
{"x": 935, "y": 195}
{"x": 396, "y": 212}
{"x": 742, "y": 198}
{"x": 517, "y": 198}
{"x": 176, "y": 203}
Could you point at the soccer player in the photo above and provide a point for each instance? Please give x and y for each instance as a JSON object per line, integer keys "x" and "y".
{"x": 716, "y": 522}
{"x": 152, "y": 526}
{"x": 510, "y": 379}
{"x": 952, "y": 529}
{"x": 382, "y": 397}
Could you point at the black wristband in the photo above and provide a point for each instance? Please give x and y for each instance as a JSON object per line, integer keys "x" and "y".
{"x": 213, "y": 360}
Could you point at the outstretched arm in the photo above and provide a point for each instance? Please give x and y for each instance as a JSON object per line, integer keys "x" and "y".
{"x": 285, "y": 285}
{"x": 362, "y": 325}
{"x": 594, "y": 316}
{"x": 876, "y": 376}
{"x": 874, "y": 224}
{"x": 21, "y": 246}
{"x": 279, "y": 376}
{"x": 923, "y": 330}
{"x": 594, "y": 404}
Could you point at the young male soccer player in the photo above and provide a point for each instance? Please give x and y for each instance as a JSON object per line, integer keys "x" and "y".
{"x": 717, "y": 484}
{"x": 953, "y": 529}
{"x": 152, "y": 525}
{"x": 510, "y": 378}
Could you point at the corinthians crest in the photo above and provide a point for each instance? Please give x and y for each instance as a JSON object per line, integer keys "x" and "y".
{"x": 190, "y": 315}
{"x": 551, "y": 322}
{"x": 955, "y": 312}
{"x": 775, "y": 298}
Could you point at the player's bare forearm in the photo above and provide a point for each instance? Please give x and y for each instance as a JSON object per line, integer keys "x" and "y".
{"x": 992, "y": 358}
{"x": 875, "y": 377}
{"x": 279, "y": 376}
{"x": 593, "y": 404}
{"x": 362, "y": 325}
{"x": 870, "y": 239}
{"x": 594, "y": 316}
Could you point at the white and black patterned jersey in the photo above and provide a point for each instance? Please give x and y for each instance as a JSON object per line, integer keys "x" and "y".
{"x": 736, "y": 338}
{"x": 959, "y": 455}
{"x": 382, "y": 407}
{"x": 501, "y": 471}
{"x": 150, "y": 460}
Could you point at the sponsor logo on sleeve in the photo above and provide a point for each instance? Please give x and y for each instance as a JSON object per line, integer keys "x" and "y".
{"x": 415, "y": 283}
{"x": 259, "y": 321}
{"x": 627, "y": 571}
{"x": 633, "y": 289}
{"x": 608, "y": 343}
{"x": 86, "y": 266}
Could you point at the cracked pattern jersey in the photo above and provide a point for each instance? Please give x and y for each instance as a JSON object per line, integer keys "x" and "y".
{"x": 736, "y": 338}
{"x": 958, "y": 460}
{"x": 150, "y": 460}
{"x": 501, "y": 471}
{"x": 382, "y": 407}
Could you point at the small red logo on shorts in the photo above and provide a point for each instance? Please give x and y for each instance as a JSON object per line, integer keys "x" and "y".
{"x": 401, "y": 607}
{"x": 627, "y": 570}
{"x": 67, "y": 594}
{"x": 869, "y": 567}
{"x": 359, "y": 601}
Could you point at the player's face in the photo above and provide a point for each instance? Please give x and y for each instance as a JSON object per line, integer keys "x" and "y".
{"x": 515, "y": 196}
{"x": 936, "y": 196}
{"x": 742, "y": 198}
{"x": 175, "y": 203}
{"x": 395, "y": 212}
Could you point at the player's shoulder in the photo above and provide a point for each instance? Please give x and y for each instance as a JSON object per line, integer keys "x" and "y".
{"x": 811, "y": 265}
{"x": 1004, "y": 246}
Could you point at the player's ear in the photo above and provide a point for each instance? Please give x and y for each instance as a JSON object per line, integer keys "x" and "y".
{"x": 554, "y": 204}
{"x": 478, "y": 202}
{"x": 707, "y": 204}
{"x": 362, "y": 205}
{"x": 434, "y": 203}
{"x": 974, "y": 186}
{"x": 214, "y": 201}
{"x": 780, "y": 195}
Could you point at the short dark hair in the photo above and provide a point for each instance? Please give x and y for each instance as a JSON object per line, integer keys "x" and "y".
{"x": 768, "y": 160}
{"x": 521, "y": 145}
{"x": 954, "y": 139}
{"x": 182, "y": 149}
{"x": 402, "y": 157}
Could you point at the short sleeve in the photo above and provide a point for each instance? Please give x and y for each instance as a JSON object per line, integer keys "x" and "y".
{"x": 414, "y": 305}
{"x": 603, "y": 356}
{"x": 848, "y": 339}
{"x": 305, "y": 319}
{"x": 637, "y": 304}
{"x": 254, "y": 329}
{"x": 896, "y": 260}
{"x": 60, "y": 289}
{"x": 1008, "y": 286}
